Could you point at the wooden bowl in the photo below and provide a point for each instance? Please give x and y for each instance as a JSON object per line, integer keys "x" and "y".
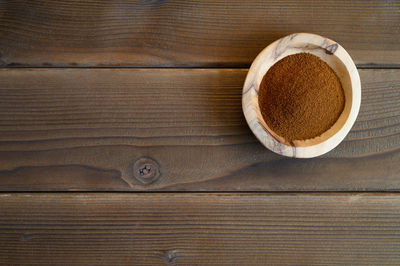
{"x": 338, "y": 59}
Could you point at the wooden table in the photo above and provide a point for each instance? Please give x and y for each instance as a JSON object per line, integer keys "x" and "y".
{"x": 122, "y": 139}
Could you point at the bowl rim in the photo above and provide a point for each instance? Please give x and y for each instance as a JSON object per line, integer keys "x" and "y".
{"x": 250, "y": 95}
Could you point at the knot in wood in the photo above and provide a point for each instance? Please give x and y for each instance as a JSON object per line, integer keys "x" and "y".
{"x": 170, "y": 256}
{"x": 146, "y": 170}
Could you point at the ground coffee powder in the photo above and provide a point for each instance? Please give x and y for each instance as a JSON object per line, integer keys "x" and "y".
{"x": 300, "y": 97}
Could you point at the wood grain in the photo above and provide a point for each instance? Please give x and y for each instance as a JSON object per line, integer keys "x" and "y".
{"x": 95, "y": 129}
{"x": 200, "y": 229}
{"x": 187, "y": 33}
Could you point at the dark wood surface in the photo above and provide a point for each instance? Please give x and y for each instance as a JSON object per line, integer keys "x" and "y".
{"x": 187, "y": 33}
{"x": 200, "y": 229}
{"x": 84, "y": 129}
{"x": 90, "y": 95}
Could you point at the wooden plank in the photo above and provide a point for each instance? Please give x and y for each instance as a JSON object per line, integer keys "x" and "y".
{"x": 187, "y": 33}
{"x": 200, "y": 229}
{"x": 84, "y": 129}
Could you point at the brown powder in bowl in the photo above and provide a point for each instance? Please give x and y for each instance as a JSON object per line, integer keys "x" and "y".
{"x": 300, "y": 97}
